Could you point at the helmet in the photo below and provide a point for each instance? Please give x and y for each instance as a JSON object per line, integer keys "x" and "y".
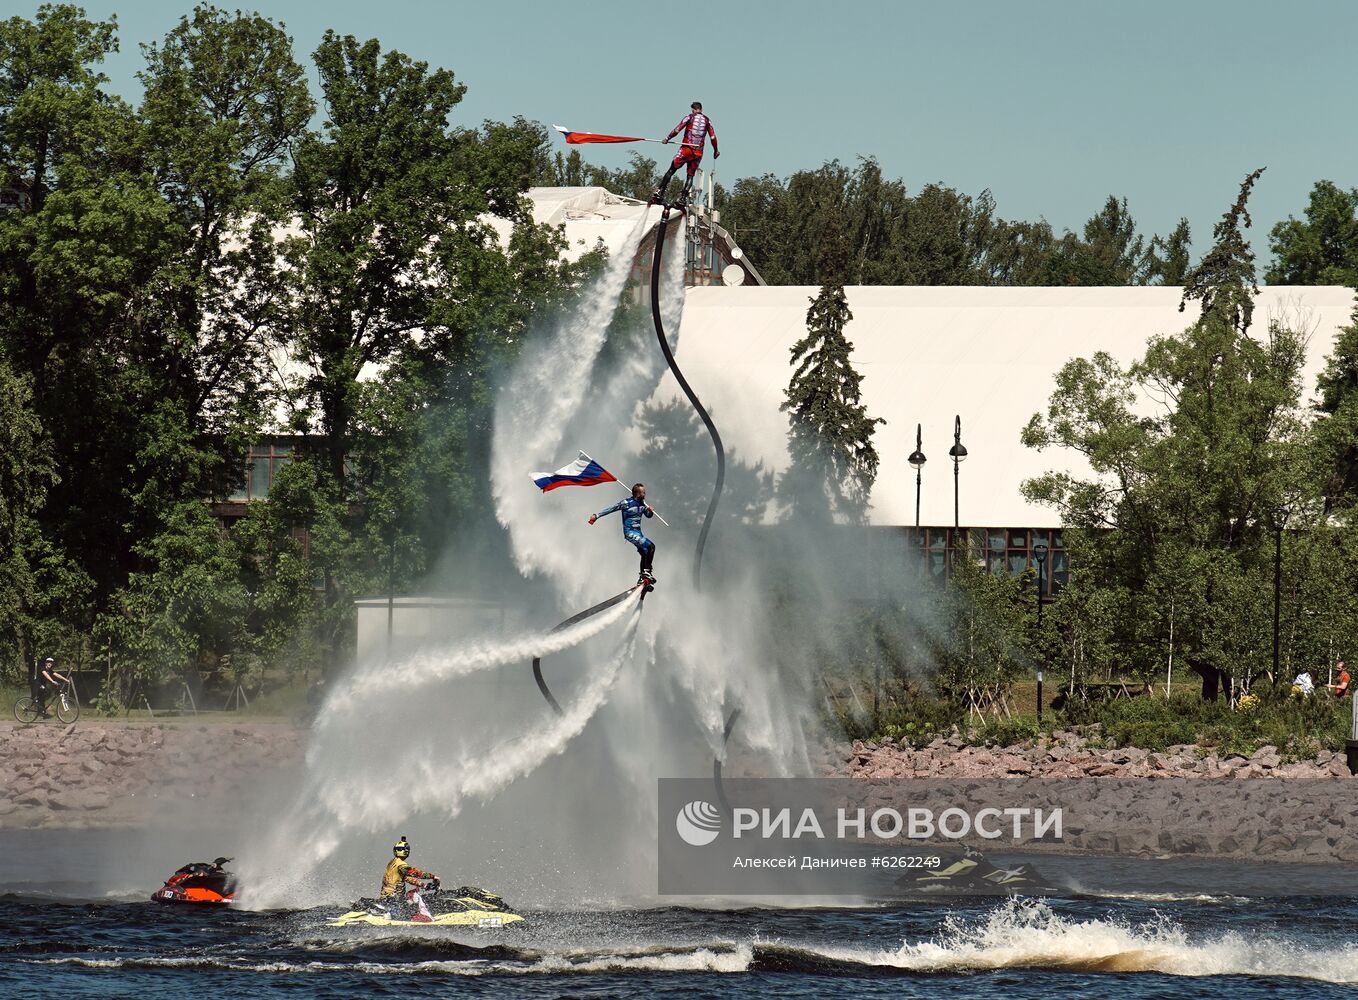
{"x": 50, "y": 659}
{"x": 222, "y": 861}
{"x": 401, "y": 848}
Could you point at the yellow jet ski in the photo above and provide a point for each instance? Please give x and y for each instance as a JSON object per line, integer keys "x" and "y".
{"x": 432, "y": 906}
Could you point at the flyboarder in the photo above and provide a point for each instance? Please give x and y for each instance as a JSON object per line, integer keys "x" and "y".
{"x": 633, "y": 508}
{"x": 696, "y": 127}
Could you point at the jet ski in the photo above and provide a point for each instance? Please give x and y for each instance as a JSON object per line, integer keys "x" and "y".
{"x": 431, "y": 906}
{"x": 971, "y": 874}
{"x": 199, "y": 883}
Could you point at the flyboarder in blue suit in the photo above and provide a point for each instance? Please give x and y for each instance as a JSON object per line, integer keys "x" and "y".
{"x": 633, "y": 509}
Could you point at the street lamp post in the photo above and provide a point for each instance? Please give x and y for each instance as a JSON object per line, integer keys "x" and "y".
{"x": 917, "y": 461}
{"x": 958, "y": 452}
{"x": 1040, "y": 554}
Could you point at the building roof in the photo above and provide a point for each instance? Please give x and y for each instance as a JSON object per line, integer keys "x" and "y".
{"x": 590, "y": 214}
{"x": 928, "y": 353}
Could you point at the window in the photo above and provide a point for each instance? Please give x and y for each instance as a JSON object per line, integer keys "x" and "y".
{"x": 262, "y": 463}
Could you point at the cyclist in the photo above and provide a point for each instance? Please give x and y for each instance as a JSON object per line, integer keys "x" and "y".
{"x": 48, "y": 680}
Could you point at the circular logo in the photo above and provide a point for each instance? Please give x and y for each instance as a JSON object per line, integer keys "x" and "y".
{"x": 698, "y": 823}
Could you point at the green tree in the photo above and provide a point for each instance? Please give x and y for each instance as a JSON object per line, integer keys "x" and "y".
{"x": 27, "y": 471}
{"x": 397, "y": 268}
{"x": 1185, "y": 500}
{"x": 179, "y": 619}
{"x": 938, "y": 236}
{"x": 77, "y": 258}
{"x": 1169, "y": 258}
{"x": 1322, "y": 248}
{"x": 637, "y": 180}
{"x": 1336, "y": 426}
{"x": 677, "y": 441}
{"x": 224, "y": 100}
{"x": 979, "y": 649}
{"x": 832, "y": 460}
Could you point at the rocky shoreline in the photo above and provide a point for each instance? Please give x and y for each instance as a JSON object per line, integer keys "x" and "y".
{"x": 102, "y": 774}
{"x": 1065, "y": 754}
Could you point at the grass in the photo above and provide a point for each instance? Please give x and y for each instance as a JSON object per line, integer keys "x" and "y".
{"x": 1299, "y": 728}
{"x": 281, "y": 704}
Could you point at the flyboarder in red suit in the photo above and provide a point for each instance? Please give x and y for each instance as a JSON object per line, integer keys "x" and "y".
{"x": 696, "y": 127}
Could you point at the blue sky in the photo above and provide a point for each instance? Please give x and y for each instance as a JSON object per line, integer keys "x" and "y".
{"x": 1050, "y": 105}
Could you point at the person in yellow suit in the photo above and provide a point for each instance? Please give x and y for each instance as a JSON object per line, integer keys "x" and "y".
{"x": 399, "y": 872}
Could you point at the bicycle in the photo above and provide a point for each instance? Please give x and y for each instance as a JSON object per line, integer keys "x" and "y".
{"x": 64, "y": 702}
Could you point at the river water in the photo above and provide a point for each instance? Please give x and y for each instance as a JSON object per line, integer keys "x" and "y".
{"x": 71, "y": 925}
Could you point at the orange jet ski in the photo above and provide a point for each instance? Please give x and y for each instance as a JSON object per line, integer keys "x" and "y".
{"x": 199, "y": 883}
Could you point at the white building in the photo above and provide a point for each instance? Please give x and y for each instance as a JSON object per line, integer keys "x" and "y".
{"x": 930, "y": 354}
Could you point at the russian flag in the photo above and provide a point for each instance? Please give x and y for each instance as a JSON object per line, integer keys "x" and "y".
{"x": 584, "y": 471}
{"x": 577, "y": 138}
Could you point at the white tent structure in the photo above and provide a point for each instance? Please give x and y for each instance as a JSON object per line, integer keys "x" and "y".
{"x": 929, "y": 353}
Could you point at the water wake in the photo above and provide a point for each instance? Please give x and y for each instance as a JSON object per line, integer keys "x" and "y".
{"x": 1020, "y": 935}
{"x": 438, "y": 665}
{"x": 1028, "y": 934}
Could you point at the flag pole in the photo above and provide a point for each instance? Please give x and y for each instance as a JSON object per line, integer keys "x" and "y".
{"x": 628, "y": 491}
{"x": 565, "y": 131}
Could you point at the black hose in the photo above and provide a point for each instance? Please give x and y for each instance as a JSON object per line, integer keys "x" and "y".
{"x": 721, "y": 466}
{"x": 572, "y": 620}
{"x": 692, "y": 397}
{"x": 716, "y": 761}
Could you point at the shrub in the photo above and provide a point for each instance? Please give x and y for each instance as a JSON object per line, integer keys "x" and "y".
{"x": 1007, "y": 732}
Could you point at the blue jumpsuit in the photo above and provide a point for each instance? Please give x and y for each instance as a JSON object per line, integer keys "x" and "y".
{"x": 632, "y": 511}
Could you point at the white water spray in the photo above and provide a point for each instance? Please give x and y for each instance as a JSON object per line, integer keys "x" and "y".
{"x": 418, "y": 741}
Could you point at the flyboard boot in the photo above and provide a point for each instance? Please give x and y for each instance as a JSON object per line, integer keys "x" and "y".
{"x": 685, "y": 193}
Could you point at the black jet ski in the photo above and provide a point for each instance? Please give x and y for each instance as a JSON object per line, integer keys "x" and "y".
{"x": 199, "y": 883}
{"x": 432, "y": 906}
{"x": 969, "y": 873}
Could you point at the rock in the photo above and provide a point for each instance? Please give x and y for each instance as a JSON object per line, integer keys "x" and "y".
{"x": 1135, "y": 840}
{"x": 1274, "y": 843}
{"x": 1181, "y": 842}
{"x": 1346, "y": 848}
{"x": 1267, "y": 757}
{"x": 95, "y": 798}
{"x": 1339, "y": 767}
{"x": 1099, "y": 842}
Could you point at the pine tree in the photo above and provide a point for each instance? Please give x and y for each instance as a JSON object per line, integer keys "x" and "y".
{"x": 1225, "y": 281}
{"x": 833, "y": 461}
{"x": 1168, "y": 259}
